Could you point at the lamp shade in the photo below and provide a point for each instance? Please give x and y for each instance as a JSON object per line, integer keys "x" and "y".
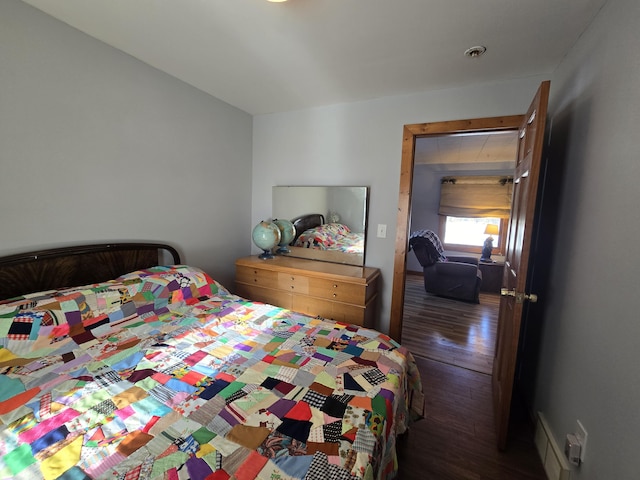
{"x": 491, "y": 229}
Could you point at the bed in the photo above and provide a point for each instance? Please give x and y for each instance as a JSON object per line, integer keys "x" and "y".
{"x": 161, "y": 372}
{"x": 313, "y": 233}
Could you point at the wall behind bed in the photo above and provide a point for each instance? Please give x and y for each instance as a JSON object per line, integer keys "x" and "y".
{"x": 97, "y": 146}
{"x": 361, "y": 144}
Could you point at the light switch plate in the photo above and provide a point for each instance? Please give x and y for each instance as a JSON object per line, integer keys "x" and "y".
{"x": 581, "y": 435}
{"x": 382, "y": 230}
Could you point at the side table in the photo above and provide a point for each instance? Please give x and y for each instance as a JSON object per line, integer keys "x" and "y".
{"x": 491, "y": 277}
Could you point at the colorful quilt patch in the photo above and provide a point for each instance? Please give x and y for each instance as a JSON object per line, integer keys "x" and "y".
{"x": 331, "y": 236}
{"x": 163, "y": 373}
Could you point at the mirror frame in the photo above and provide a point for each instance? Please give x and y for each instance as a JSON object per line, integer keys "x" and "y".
{"x": 292, "y": 201}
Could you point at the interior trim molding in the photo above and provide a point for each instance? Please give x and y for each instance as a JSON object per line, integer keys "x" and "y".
{"x": 410, "y": 133}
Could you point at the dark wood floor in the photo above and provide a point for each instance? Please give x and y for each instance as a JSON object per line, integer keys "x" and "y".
{"x": 450, "y": 331}
{"x": 456, "y": 439}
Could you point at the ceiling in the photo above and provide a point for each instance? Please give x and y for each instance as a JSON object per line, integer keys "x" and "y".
{"x": 468, "y": 150}
{"x": 267, "y": 57}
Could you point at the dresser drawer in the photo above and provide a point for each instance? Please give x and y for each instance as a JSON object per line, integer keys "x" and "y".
{"x": 337, "y": 291}
{"x": 278, "y": 298}
{"x": 328, "y": 309}
{"x": 293, "y": 283}
{"x": 353, "y": 314}
{"x": 257, "y": 276}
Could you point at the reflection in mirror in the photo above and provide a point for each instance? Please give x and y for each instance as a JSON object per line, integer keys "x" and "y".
{"x": 331, "y": 222}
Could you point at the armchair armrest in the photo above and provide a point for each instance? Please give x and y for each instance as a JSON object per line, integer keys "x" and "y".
{"x": 471, "y": 260}
{"x": 460, "y": 269}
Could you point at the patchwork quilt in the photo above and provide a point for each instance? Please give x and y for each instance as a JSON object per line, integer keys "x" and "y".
{"x": 163, "y": 373}
{"x": 331, "y": 236}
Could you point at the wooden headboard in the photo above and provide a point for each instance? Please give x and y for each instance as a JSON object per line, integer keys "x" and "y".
{"x": 305, "y": 222}
{"x": 77, "y": 265}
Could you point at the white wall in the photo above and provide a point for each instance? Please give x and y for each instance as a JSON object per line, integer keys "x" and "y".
{"x": 97, "y": 146}
{"x": 590, "y": 365}
{"x": 361, "y": 144}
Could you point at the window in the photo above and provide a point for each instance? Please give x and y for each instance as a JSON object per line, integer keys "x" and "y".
{"x": 467, "y": 234}
{"x": 467, "y": 205}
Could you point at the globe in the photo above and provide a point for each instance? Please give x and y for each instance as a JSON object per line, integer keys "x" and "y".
{"x": 266, "y": 235}
{"x": 287, "y": 234}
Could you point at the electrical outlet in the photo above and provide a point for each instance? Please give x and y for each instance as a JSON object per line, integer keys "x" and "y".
{"x": 572, "y": 449}
{"x": 581, "y": 436}
{"x": 382, "y": 230}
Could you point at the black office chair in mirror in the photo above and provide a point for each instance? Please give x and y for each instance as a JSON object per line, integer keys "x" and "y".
{"x": 330, "y": 221}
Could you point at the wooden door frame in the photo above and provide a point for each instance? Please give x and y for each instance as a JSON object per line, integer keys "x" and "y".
{"x": 410, "y": 134}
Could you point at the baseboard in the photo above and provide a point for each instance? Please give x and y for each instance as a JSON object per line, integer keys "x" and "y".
{"x": 555, "y": 463}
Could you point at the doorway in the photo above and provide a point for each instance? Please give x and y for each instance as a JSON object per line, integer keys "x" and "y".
{"x": 447, "y": 330}
{"x": 411, "y": 134}
{"x": 525, "y": 214}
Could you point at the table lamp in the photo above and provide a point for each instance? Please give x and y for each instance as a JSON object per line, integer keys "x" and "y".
{"x": 491, "y": 229}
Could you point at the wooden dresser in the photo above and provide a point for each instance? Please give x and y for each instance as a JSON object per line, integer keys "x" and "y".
{"x": 334, "y": 291}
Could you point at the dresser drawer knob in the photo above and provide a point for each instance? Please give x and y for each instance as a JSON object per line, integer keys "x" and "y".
{"x": 335, "y": 286}
{"x": 335, "y": 295}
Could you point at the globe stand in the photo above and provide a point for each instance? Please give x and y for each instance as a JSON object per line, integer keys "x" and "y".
{"x": 283, "y": 250}
{"x": 266, "y": 255}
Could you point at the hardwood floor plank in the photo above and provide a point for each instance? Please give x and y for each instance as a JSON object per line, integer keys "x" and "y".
{"x": 453, "y": 343}
{"x": 450, "y": 331}
{"x": 456, "y": 439}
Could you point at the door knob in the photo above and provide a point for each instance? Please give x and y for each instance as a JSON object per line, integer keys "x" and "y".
{"x": 520, "y": 297}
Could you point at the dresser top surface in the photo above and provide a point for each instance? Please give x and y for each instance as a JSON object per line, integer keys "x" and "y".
{"x": 282, "y": 263}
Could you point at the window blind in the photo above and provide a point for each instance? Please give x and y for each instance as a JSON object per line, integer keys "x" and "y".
{"x": 476, "y": 196}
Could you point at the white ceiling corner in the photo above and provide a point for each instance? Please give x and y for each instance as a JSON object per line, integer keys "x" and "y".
{"x": 267, "y": 57}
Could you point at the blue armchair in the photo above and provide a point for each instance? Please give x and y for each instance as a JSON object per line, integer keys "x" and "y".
{"x": 456, "y": 277}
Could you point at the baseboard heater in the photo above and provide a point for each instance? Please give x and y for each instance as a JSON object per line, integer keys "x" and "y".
{"x": 555, "y": 463}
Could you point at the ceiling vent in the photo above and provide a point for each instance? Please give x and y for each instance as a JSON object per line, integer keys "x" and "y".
{"x": 475, "y": 52}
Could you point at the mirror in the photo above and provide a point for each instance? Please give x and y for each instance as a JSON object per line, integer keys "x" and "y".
{"x": 331, "y": 222}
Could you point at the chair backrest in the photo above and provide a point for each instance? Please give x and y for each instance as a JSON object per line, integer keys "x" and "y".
{"x": 427, "y": 247}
